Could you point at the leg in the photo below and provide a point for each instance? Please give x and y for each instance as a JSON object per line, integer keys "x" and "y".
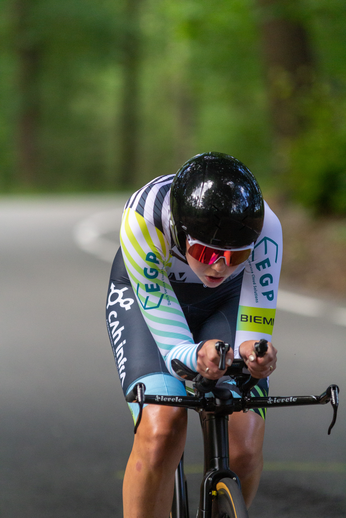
{"x": 160, "y": 439}
{"x": 157, "y": 449}
{"x": 246, "y": 434}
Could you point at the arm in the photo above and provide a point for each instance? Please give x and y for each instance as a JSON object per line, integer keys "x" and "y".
{"x": 146, "y": 255}
{"x": 258, "y": 298}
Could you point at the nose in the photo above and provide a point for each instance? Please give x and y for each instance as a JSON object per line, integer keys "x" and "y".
{"x": 219, "y": 265}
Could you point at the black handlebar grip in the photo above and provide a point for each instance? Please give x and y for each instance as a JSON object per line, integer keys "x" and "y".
{"x": 261, "y": 347}
{"x": 131, "y": 397}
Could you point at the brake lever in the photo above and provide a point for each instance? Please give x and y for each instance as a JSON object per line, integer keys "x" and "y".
{"x": 222, "y": 348}
{"x": 333, "y": 393}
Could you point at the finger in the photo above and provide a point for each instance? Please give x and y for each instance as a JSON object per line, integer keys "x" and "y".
{"x": 252, "y": 357}
{"x": 229, "y": 358}
{"x": 272, "y": 366}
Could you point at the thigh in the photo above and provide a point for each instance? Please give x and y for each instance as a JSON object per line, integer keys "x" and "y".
{"x": 162, "y": 424}
{"x": 136, "y": 354}
{"x": 135, "y": 351}
{"x": 161, "y": 384}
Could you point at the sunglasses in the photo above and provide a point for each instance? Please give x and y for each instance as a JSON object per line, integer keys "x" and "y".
{"x": 209, "y": 255}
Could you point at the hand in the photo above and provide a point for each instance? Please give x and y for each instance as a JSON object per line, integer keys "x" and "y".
{"x": 208, "y": 360}
{"x": 258, "y": 367}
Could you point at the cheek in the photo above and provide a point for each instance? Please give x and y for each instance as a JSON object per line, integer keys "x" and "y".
{"x": 196, "y": 266}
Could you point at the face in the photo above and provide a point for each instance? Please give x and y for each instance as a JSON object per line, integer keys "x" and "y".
{"x": 211, "y": 275}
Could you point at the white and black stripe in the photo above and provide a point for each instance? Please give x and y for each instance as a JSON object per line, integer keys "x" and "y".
{"x": 149, "y": 200}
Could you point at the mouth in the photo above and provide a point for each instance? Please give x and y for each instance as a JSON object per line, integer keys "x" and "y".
{"x": 213, "y": 279}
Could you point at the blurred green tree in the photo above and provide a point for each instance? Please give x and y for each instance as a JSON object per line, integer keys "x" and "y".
{"x": 108, "y": 95}
{"x": 29, "y": 51}
{"x": 309, "y": 136}
{"x": 63, "y": 55}
{"x": 289, "y": 64}
{"x": 129, "y": 127}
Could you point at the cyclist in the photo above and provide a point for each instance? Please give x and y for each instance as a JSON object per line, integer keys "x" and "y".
{"x": 199, "y": 261}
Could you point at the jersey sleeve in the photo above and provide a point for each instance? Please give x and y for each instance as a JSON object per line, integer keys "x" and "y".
{"x": 258, "y": 296}
{"x": 146, "y": 256}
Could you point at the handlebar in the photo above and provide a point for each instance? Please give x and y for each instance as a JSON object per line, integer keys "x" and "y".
{"x": 225, "y": 407}
{"x": 223, "y": 401}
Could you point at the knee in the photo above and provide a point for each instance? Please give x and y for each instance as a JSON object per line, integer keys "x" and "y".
{"x": 162, "y": 438}
{"x": 246, "y": 434}
{"x": 246, "y": 458}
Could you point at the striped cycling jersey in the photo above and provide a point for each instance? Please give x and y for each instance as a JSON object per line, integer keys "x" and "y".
{"x": 147, "y": 246}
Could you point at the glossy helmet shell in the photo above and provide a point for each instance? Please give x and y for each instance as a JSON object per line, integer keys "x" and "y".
{"x": 217, "y": 200}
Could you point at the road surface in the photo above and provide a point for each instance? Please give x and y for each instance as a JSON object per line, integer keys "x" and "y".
{"x": 65, "y": 430}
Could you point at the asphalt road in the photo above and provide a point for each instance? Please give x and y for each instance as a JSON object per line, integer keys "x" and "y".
{"x": 65, "y": 432}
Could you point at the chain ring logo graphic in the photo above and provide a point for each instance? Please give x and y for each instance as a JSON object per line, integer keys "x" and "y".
{"x": 116, "y": 297}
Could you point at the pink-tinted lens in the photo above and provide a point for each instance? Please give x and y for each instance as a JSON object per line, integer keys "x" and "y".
{"x": 208, "y": 255}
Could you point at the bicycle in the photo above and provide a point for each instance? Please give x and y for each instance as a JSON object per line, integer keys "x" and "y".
{"x": 220, "y": 492}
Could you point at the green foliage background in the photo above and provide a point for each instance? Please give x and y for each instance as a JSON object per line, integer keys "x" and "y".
{"x": 201, "y": 86}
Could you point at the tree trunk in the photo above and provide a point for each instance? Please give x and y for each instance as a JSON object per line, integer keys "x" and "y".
{"x": 129, "y": 121}
{"x": 29, "y": 63}
{"x": 289, "y": 68}
{"x": 185, "y": 119}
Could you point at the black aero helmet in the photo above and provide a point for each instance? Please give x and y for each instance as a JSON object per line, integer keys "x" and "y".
{"x": 217, "y": 200}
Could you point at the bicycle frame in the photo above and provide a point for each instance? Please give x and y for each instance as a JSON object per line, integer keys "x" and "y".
{"x": 216, "y": 458}
{"x": 216, "y": 466}
{"x": 213, "y": 412}
{"x": 214, "y": 404}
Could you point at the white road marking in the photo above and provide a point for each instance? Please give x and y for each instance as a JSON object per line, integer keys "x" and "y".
{"x": 90, "y": 236}
{"x": 306, "y": 306}
{"x": 339, "y": 316}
